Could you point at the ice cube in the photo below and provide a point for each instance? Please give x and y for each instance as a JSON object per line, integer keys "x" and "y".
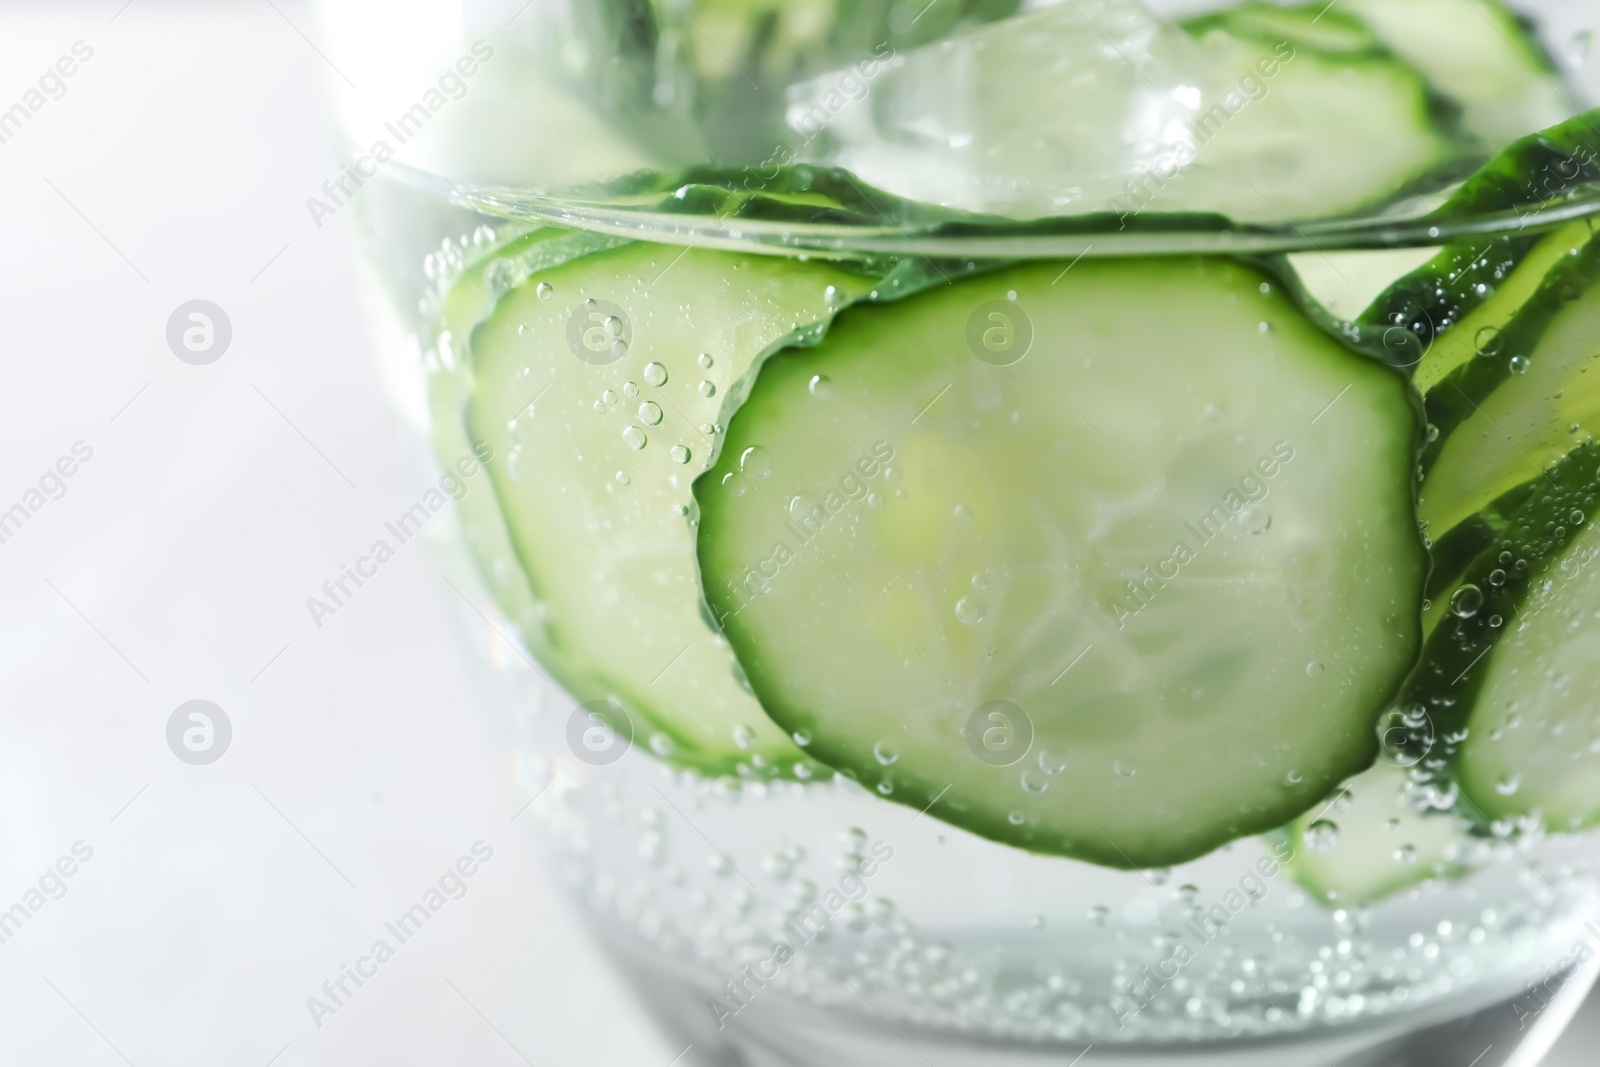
{"x": 1046, "y": 113}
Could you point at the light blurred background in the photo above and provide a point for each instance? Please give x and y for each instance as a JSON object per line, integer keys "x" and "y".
{"x": 174, "y": 165}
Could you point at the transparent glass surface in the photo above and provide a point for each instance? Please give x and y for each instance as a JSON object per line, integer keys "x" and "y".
{"x": 585, "y": 226}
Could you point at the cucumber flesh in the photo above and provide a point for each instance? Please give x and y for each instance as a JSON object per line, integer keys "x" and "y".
{"x": 1480, "y": 55}
{"x": 599, "y": 526}
{"x": 899, "y": 534}
{"x": 1372, "y": 840}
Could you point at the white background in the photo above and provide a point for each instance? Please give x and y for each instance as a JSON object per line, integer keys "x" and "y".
{"x": 177, "y": 566}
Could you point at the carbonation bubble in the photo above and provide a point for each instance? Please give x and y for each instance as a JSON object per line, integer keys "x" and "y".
{"x": 545, "y": 290}
{"x": 820, "y": 386}
{"x": 1015, "y": 818}
{"x": 1465, "y": 602}
{"x": 754, "y": 462}
{"x": 1124, "y": 769}
{"x": 1508, "y": 785}
{"x": 705, "y": 359}
{"x": 655, "y": 374}
{"x": 885, "y": 753}
{"x": 630, "y": 390}
{"x": 802, "y": 738}
{"x": 1520, "y": 364}
{"x": 1322, "y": 835}
{"x": 743, "y": 736}
{"x": 679, "y": 454}
{"x": 1489, "y": 341}
{"x": 707, "y": 388}
{"x": 633, "y": 437}
{"x": 1255, "y": 519}
{"x": 971, "y": 610}
{"x": 1406, "y": 854}
{"x": 1314, "y": 669}
{"x": 609, "y": 397}
{"x": 650, "y": 413}
{"x": 1034, "y": 782}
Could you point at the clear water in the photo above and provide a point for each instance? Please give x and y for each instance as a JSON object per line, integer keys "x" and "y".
{"x": 951, "y": 931}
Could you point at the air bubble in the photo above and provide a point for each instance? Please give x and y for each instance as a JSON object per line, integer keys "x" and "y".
{"x": 1314, "y": 669}
{"x": 650, "y": 413}
{"x": 754, "y": 462}
{"x": 1508, "y": 785}
{"x": 1520, "y": 364}
{"x": 885, "y": 753}
{"x": 1034, "y": 782}
{"x": 1406, "y": 854}
{"x": 1124, "y": 769}
{"x": 1465, "y": 602}
{"x": 1489, "y": 341}
{"x": 655, "y": 374}
{"x": 679, "y": 453}
{"x": 885, "y": 788}
{"x": 609, "y": 397}
{"x": 619, "y": 348}
{"x": 545, "y": 291}
{"x": 634, "y": 437}
{"x": 704, "y": 359}
{"x": 971, "y": 610}
{"x": 707, "y": 388}
{"x": 1015, "y": 818}
{"x": 820, "y": 386}
{"x": 1255, "y": 519}
{"x": 630, "y": 390}
{"x": 802, "y": 737}
{"x": 1322, "y": 835}
{"x": 743, "y": 736}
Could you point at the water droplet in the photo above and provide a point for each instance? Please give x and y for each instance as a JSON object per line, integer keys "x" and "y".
{"x": 971, "y": 610}
{"x": 1124, "y": 769}
{"x": 1497, "y": 577}
{"x": 1520, "y": 364}
{"x": 885, "y": 753}
{"x": 820, "y": 386}
{"x": 650, "y": 413}
{"x": 1508, "y": 785}
{"x": 545, "y": 290}
{"x": 633, "y": 437}
{"x": 1255, "y": 519}
{"x": 802, "y": 737}
{"x": 609, "y": 397}
{"x": 1034, "y": 782}
{"x": 630, "y": 390}
{"x": 655, "y": 374}
{"x": 755, "y": 462}
{"x": 1489, "y": 341}
{"x": 704, "y": 359}
{"x": 707, "y": 388}
{"x": 743, "y": 736}
{"x": 679, "y": 454}
{"x": 1466, "y": 601}
{"x": 1314, "y": 669}
{"x": 1322, "y": 835}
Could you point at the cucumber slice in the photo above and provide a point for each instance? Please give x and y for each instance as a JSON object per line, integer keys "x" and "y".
{"x": 898, "y": 534}
{"x": 1526, "y": 399}
{"x": 1081, "y": 108}
{"x": 1534, "y": 744}
{"x": 594, "y": 460}
{"x": 1503, "y": 702}
{"x": 1372, "y": 840}
{"x": 1315, "y": 26}
{"x": 1479, "y": 54}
